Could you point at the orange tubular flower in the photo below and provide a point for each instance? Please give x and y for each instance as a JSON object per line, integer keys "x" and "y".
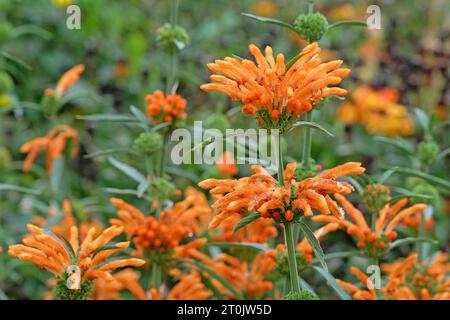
{"x": 185, "y": 217}
{"x": 54, "y": 144}
{"x": 68, "y": 221}
{"x": 164, "y": 108}
{"x": 377, "y": 111}
{"x": 259, "y": 231}
{"x": 51, "y": 254}
{"x": 226, "y": 165}
{"x": 375, "y": 242}
{"x": 188, "y": 287}
{"x": 270, "y": 91}
{"x": 67, "y": 80}
{"x": 261, "y": 193}
{"x": 126, "y": 279}
{"x": 406, "y": 280}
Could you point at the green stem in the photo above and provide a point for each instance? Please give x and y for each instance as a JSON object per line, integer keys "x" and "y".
{"x": 171, "y": 76}
{"x": 420, "y": 246}
{"x": 306, "y": 156}
{"x": 310, "y": 6}
{"x": 280, "y": 163}
{"x": 290, "y": 245}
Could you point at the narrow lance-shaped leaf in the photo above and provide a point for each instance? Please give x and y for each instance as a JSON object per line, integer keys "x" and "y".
{"x": 315, "y": 245}
{"x": 245, "y": 221}
{"x": 270, "y": 21}
{"x": 333, "y": 283}
{"x": 347, "y": 23}
{"x": 11, "y": 187}
{"x": 108, "y": 117}
{"x": 244, "y": 245}
{"x": 128, "y": 170}
{"x": 312, "y": 125}
{"x": 410, "y": 240}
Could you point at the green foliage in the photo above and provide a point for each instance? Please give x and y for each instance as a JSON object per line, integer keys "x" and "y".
{"x": 62, "y": 292}
{"x": 311, "y": 27}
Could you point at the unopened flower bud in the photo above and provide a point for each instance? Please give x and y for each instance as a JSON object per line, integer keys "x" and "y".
{"x": 311, "y": 27}
{"x": 148, "y": 142}
{"x": 427, "y": 151}
{"x": 172, "y": 39}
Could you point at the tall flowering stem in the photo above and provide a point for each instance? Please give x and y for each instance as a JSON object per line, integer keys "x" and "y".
{"x": 290, "y": 245}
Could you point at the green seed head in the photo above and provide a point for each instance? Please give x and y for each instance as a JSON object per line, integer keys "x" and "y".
{"x": 302, "y": 295}
{"x": 427, "y": 151}
{"x": 311, "y": 27}
{"x": 172, "y": 39}
{"x": 148, "y": 142}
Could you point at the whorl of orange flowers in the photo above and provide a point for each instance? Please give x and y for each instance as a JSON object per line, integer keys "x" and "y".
{"x": 68, "y": 79}
{"x": 261, "y": 193}
{"x": 68, "y": 221}
{"x": 54, "y": 143}
{"x": 407, "y": 279}
{"x": 46, "y": 252}
{"x": 164, "y": 108}
{"x": 260, "y": 231}
{"x": 269, "y": 85}
{"x": 378, "y": 240}
{"x": 378, "y": 111}
{"x": 173, "y": 224}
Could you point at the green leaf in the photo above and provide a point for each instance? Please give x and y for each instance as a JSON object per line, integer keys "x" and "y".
{"x": 245, "y": 245}
{"x": 339, "y": 255}
{"x": 314, "y": 243}
{"x": 270, "y": 21}
{"x": 214, "y": 275}
{"x": 245, "y": 221}
{"x": 68, "y": 244}
{"x": 160, "y": 126}
{"x": 142, "y": 187}
{"x": 212, "y": 287}
{"x": 128, "y": 170}
{"x": 109, "y": 151}
{"x": 312, "y": 125}
{"x": 411, "y": 195}
{"x": 333, "y": 283}
{"x": 121, "y": 191}
{"x": 386, "y": 175}
{"x": 32, "y": 30}
{"x": 401, "y": 144}
{"x": 16, "y": 60}
{"x": 11, "y": 187}
{"x": 347, "y": 23}
{"x": 140, "y": 116}
{"x": 423, "y": 118}
{"x": 108, "y": 117}
{"x": 183, "y": 173}
{"x": 410, "y": 240}
{"x": 442, "y": 184}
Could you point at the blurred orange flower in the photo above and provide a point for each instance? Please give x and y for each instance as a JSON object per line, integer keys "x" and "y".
{"x": 164, "y": 108}
{"x": 378, "y": 111}
{"x": 261, "y": 193}
{"x": 271, "y": 92}
{"x": 54, "y": 143}
{"x": 226, "y": 165}
{"x": 407, "y": 279}
{"x": 67, "y": 80}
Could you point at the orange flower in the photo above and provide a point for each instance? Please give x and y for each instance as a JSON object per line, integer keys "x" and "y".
{"x": 261, "y": 193}
{"x": 165, "y": 108}
{"x": 52, "y": 254}
{"x": 185, "y": 217}
{"x": 227, "y": 165}
{"x": 270, "y": 91}
{"x": 54, "y": 144}
{"x": 126, "y": 279}
{"x": 377, "y": 111}
{"x": 67, "y": 80}
{"x": 374, "y": 242}
{"x": 68, "y": 221}
{"x": 259, "y": 231}
{"x": 406, "y": 280}
{"x": 188, "y": 287}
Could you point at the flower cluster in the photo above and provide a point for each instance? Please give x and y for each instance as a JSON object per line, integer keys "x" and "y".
{"x": 261, "y": 193}
{"x": 54, "y": 143}
{"x": 378, "y": 111}
{"x": 272, "y": 92}
{"x": 162, "y": 108}
{"x": 374, "y": 242}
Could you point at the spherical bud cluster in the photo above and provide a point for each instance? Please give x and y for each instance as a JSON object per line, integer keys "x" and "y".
{"x": 311, "y": 27}
{"x": 172, "y": 39}
{"x": 162, "y": 188}
{"x": 375, "y": 196}
{"x": 148, "y": 142}
{"x": 427, "y": 151}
